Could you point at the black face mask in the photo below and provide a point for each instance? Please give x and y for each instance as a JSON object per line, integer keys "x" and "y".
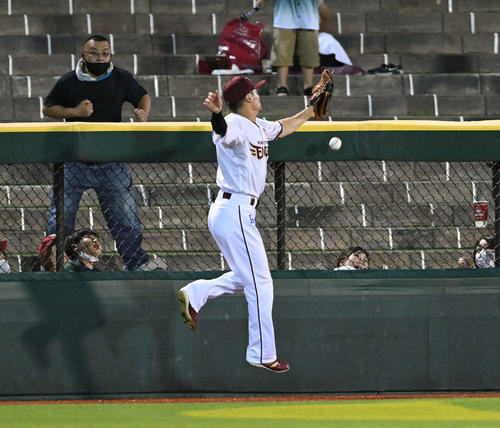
{"x": 97, "y": 68}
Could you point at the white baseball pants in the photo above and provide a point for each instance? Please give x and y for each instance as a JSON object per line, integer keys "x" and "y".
{"x": 232, "y": 224}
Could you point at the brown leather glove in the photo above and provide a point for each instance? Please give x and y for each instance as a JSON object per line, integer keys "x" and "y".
{"x": 322, "y": 93}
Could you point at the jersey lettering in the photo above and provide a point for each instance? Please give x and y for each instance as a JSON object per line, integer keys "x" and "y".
{"x": 259, "y": 151}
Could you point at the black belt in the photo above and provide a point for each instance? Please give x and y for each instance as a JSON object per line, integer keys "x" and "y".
{"x": 227, "y": 195}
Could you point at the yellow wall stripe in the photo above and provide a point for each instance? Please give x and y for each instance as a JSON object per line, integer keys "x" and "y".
{"x": 372, "y": 125}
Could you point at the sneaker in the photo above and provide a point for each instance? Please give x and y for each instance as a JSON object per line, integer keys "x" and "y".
{"x": 188, "y": 313}
{"x": 394, "y": 69}
{"x": 277, "y": 366}
{"x": 385, "y": 69}
{"x": 281, "y": 91}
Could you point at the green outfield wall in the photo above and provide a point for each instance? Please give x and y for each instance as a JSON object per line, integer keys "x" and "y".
{"x": 110, "y": 334}
{"x": 191, "y": 141}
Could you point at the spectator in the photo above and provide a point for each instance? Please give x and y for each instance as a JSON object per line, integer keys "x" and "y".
{"x": 331, "y": 52}
{"x": 95, "y": 92}
{"x": 341, "y": 260}
{"x": 353, "y": 258}
{"x": 47, "y": 254}
{"x": 83, "y": 248}
{"x": 484, "y": 252}
{"x": 296, "y": 26}
{"x": 4, "y": 264}
{"x": 465, "y": 262}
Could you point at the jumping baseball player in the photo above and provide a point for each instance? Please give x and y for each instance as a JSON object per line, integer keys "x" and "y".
{"x": 241, "y": 140}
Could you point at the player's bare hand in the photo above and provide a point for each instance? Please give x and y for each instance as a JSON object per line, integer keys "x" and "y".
{"x": 140, "y": 115}
{"x": 213, "y": 102}
{"x": 84, "y": 108}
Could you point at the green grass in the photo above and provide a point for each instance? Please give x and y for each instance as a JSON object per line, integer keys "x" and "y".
{"x": 405, "y": 413}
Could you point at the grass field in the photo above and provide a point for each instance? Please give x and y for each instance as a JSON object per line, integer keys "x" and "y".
{"x": 401, "y": 412}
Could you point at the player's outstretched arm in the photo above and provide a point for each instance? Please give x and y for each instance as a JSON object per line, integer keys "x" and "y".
{"x": 290, "y": 124}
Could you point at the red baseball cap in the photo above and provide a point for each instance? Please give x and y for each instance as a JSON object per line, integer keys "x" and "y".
{"x": 238, "y": 87}
{"x": 3, "y": 244}
{"x": 44, "y": 246}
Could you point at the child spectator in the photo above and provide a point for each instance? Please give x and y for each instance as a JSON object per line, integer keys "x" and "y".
{"x": 83, "y": 248}
{"x": 4, "y": 264}
{"x": 353, "y": 258}
{"x": 464, "y": 262}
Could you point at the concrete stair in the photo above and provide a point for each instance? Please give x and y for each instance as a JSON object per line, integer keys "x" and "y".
{"x": 23, "y": 83}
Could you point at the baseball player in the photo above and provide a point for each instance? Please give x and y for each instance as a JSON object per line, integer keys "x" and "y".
{"x": 241, "y": 140}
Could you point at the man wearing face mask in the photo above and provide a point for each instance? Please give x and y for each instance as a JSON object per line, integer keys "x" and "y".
{"x": 83, "y": 248}
{"x": 95, "y": 92}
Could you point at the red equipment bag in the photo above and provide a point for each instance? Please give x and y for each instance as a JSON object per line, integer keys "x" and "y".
{"x": 241, "y": 42}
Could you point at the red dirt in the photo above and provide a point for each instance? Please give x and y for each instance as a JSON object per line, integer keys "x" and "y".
{"x": 270, "y": 398}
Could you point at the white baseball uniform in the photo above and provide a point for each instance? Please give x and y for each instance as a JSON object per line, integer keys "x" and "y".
{"x": 242, "y": 155}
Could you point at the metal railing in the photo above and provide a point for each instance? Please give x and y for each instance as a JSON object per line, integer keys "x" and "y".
{"x": 406, "y": 215}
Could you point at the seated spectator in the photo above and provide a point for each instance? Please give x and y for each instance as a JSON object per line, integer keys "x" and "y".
{"x": 465, "y": 262}
{"x": 83, "y": 248}
{"x": 47, "y": 254}
{"x": 4, "y": 264}
{"x": 331, "y": 53}
{"x": 353, "y": 258}
{"x": 484, "y": 252}
{"x": 341, "y": 260}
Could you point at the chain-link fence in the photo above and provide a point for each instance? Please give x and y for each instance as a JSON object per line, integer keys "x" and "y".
{"x": 406, "y": 215}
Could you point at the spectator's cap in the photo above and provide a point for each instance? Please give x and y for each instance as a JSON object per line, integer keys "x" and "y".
{"x": 3, "y": 244}
{"x": 238, "y": 87}
{"x": 45, "y": 245}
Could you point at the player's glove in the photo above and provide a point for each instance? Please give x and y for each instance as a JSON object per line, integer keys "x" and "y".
{"x": 322, "y": 93}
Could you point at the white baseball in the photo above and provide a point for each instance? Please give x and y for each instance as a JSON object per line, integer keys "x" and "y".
{"x": 335, "y": 143}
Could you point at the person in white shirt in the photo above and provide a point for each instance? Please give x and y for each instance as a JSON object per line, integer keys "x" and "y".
{"x": 484, "y": 252}
{"x": 241, "y": 140}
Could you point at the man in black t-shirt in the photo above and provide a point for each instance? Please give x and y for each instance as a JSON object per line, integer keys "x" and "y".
{"x": 95, "y": 92}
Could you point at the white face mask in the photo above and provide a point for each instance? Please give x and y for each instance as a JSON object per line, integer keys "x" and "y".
{"x": 88, "y": 257}
{"x": 4, "y": 266}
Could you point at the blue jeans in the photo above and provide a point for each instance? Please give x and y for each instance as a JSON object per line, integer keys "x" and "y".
{"x": 113, "y": 185}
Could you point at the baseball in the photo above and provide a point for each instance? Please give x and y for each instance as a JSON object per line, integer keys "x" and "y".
{"x": 335, "y": 143}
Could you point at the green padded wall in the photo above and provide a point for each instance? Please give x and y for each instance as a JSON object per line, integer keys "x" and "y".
{"x": 191, "y": 141}
{"x": 95, "y": 334}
